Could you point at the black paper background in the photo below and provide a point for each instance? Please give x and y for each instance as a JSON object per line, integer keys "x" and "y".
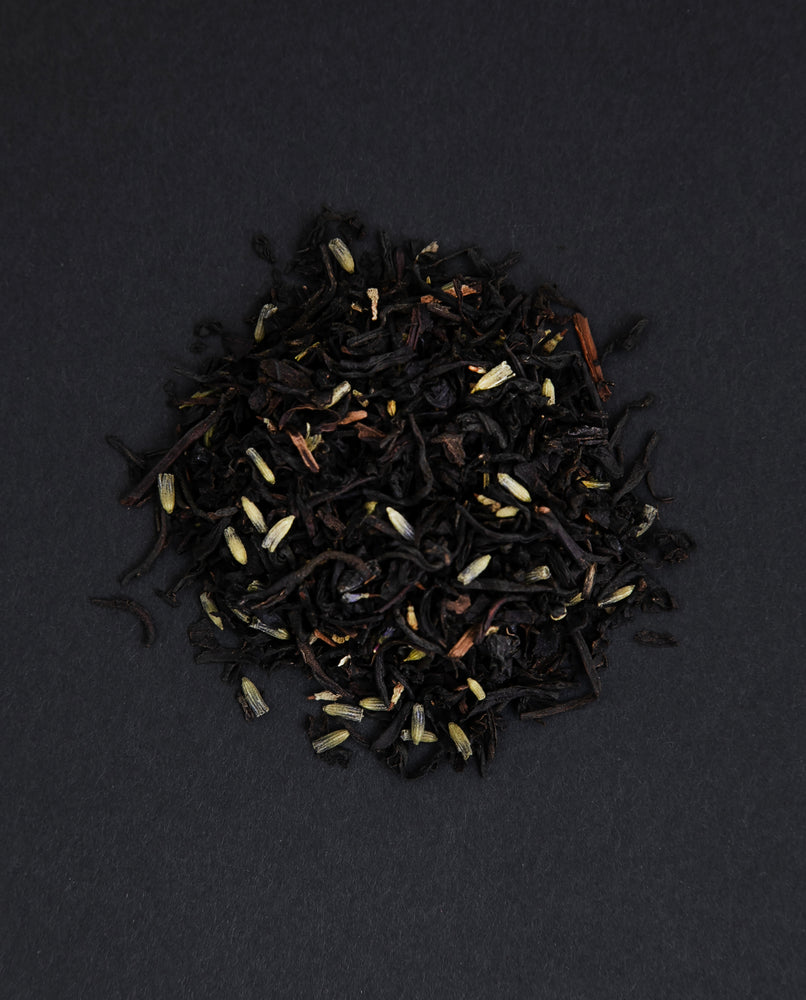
{"x": 648, "y": 157}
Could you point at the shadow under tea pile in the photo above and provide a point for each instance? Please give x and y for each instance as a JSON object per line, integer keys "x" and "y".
{"x": 404, "y": 482}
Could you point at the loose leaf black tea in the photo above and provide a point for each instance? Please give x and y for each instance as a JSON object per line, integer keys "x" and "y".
{"x": 403, "y": 480}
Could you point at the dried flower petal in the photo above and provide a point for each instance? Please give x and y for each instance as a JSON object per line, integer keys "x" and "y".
{"x": 474, "y": 569}
{"x": 350, "y": 712}
{"x": 373, "y": 704}
{"x": 495, "y": 377}
{"x": 650, "y": 513}
{"x": 260, "y": 326}
{"x": 312, "y": 441}
{"x": 167, "y": 491}
{"x": 415, "y": 654}
{"x": 354, "y": 598}
{"x": 494, "y": 505}
{"x": 341, "y": 252}
{"x": 426, "y": 737}
{"x": 514, "y": 487}
{"x": 400, "y": 524}
{"x": 476, "y": 689}
{"x": 460, "y": 740}
{"x": 324, "y": 696}
{"x": 549, "y": 345}
{"x": 275, "y": 633}
{"x": 278, "y": 532}
{"x": 252, "y": 511}
{"x": 617, "y": 595}
{"x": 235, "y": 545}
{"x": 260, "y": 465}
{"x": 341, "y": 390}
{"x": 417, "y": 722}
{"x": 210, "y": 609}
{"x": 331, "y": 740}
{"x": 253, "y": 698}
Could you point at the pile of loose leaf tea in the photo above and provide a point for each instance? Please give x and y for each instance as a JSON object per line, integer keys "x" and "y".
{"x": 401, "y": 479}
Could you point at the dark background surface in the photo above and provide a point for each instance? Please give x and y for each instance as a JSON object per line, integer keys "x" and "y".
{"x": 647, "y": 157}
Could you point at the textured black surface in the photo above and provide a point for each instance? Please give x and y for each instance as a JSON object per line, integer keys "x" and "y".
{"x": 648, "y": 158}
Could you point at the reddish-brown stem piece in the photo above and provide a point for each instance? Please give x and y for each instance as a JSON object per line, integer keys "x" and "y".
{"x": 304, "y": 451}
{"x": 590, "y": 355}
